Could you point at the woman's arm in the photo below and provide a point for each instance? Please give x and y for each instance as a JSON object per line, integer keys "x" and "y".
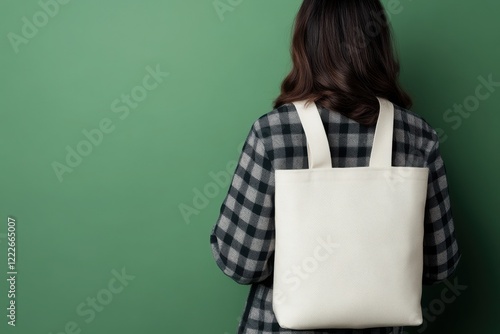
{"x": 441, "y": 253}
{"x": 242, "y": 239}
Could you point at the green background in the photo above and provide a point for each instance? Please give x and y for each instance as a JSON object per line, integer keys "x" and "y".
{"x": 119, "y": 207}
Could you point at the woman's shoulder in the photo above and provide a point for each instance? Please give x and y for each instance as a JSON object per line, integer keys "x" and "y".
{"x": 275, "y": 121}
{"x": 284, "y": 118}
{"x": 414, "y": 124}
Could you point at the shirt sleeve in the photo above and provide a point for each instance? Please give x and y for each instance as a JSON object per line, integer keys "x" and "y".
{"x": 441, "y": 253}
{"x": 242, "y": 240}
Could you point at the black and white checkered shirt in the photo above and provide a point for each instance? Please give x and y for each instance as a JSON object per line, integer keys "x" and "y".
{"x": 242, "y": 239}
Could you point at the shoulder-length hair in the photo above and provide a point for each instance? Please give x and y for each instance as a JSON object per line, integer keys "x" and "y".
{"x": 343, "y": 58}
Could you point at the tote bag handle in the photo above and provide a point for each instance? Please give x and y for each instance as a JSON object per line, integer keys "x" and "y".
{"x": 318, "y": 148}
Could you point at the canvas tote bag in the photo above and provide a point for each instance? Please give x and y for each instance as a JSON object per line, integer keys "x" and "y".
{"x": 349, "y": 241}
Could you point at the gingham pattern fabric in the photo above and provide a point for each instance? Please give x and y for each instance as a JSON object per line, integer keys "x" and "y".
{"x": 242, "y": 240}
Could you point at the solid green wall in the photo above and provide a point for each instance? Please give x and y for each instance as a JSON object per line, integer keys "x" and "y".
{"x": 119, "y": 207}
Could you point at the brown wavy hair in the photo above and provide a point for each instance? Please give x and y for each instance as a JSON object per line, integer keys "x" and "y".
{"x": 343, "y": 57}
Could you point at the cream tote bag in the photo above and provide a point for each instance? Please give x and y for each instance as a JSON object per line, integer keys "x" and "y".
{"x": 349, "y": 241}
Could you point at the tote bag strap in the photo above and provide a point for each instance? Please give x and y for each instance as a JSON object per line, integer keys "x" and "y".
{"x": 318, "y": 148}
{"x": 381, "y": 154}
